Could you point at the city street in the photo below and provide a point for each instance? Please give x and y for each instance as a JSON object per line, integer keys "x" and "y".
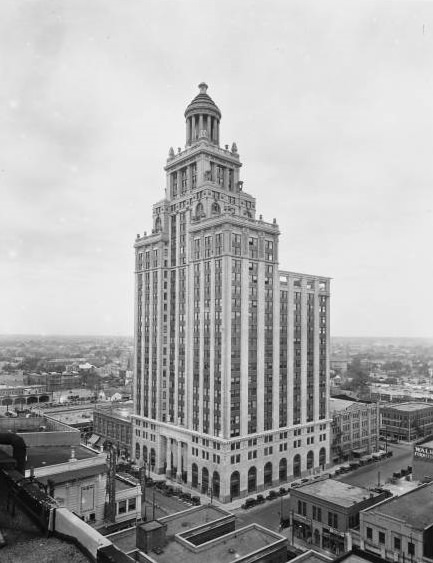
{"x": 367, "y": 476}
{"x": 267, "y": 514}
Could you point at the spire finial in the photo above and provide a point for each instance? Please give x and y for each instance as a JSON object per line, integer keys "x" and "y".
{"x": 203, "y": 87}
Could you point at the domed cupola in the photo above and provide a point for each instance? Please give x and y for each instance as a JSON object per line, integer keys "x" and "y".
{"x": 202, "y": 118}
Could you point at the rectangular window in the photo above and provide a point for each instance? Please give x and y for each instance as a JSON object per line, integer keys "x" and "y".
{"x": 87, "y": 498}
{"x": 121, "y": 507}
{"x": 132, "y": 504}
{"x": 411, "y": 548}
{"x": 397, "y": 544}
{"x": 369, "y": 533}
{"x": 381, "y": 537}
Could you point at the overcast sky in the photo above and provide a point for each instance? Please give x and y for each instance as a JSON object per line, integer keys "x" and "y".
{"x": 331, "y": 106}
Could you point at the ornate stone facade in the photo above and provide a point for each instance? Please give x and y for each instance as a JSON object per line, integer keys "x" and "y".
{"x": 231, "y": 353}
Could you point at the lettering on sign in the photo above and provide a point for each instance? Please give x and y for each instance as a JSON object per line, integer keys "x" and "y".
{"x": 425, "y": 453}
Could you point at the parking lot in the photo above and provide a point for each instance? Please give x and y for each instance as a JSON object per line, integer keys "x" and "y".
{"x": 379, "y": 472}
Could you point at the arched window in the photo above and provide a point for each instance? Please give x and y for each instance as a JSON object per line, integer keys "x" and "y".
{"x": 215, "y": 209}
{"x": 152, "y": 458}
{"x": 297, "y": 466}
{"x": 268, "y": 474}
{"x": 283, "y": 470}
{"x": 235, "y": 482}
{"x": 144, "y": 453}
{"x": 310, "y": 460}
{"x": 194, "y": 475}
{"x": 204, "y": 480}
{"x": 158, "y": 224}
{"x": 322, "y": 458}
{"x": 216, "y": 484}
{"x": 252, "y": 479}
{"x": 137, "y": 450}
{"x": 199, "y": 211}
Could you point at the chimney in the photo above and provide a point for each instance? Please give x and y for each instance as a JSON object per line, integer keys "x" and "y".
{"x": 72, "y": 458}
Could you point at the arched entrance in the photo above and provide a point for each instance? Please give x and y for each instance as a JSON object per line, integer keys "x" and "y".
{"x": 283, "y": 470}
{"x": 252, "y": 479}
{"x": 44, "y": 398}
{"x": 297, "y": 466}
{"x": 31, "y": 400}
{"x": 267, "y": 477}
{"x": 194, "y": 476}
{"x": 235, "y": 485}
{"x": 310, "y": 460}
{"x": 205, "y": 480}
{"x": 216, "y": 484}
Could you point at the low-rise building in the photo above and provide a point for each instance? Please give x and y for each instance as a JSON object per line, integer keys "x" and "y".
{"x": 423, "y": 461}
{"x": 354, "y": 429}
{"x": 206, "y": 533}
{"x": 322, "y": 513}
{"x": 406, "y": 421}
{"x": 401, "y": 528}
{"x": 20, "y": 396}
{"x": 113, "y": 424}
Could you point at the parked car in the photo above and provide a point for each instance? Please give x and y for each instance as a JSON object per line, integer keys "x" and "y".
{"x": 283, "y": 491}
{"x": 271, "y": 495}
{"x": 249, "y": 503}
{"x": 260, "y": 499}
{"x": 295, "y": 484}
{"x": 196, "y": 501}
{"x": 186, "y": 496}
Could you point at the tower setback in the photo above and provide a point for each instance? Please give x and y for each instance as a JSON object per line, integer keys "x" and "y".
{"x": 231, "y": 353}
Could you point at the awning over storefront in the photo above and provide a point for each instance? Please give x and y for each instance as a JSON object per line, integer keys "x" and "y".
{"x": 93, "y": 439}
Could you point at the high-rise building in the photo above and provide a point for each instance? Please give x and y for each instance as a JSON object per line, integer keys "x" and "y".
{"x": 231, "y": 353}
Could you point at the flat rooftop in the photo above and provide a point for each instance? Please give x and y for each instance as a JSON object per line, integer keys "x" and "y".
{"x": 122, "y": 411}
{"x": 409, "y": 407}
{"x": 122, "y": 485}
{"x": 414, "y": 508}
{"x": 336, "y": 492}
{"x": 72, "y": 416}
{"x": 39, "y": 456}
{"x": 336, "y": 405}
{"x": 225, "y": 549}
{"x": 428, "y": 444}
{"x": 192, "y": 518}
{"x": 179, "y": 522}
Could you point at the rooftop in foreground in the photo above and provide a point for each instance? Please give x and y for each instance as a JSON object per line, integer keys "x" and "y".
{"x": 336, "y": 492}
{"x": 26, "y": 543}
{"x": 415, "y": 508}
{"x": 40, "y": 456}
{"x": 225, "y": 549}
{"x": 191, "y": 518}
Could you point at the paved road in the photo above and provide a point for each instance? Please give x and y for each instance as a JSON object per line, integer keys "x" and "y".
{"x": 267, "y": 514}
{"x": 164, "y": 505}
{"x": 367, "y": 476}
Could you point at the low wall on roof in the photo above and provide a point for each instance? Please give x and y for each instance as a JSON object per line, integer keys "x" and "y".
{"x": 41, "y": 431}
{"x": 69, "y": 526}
